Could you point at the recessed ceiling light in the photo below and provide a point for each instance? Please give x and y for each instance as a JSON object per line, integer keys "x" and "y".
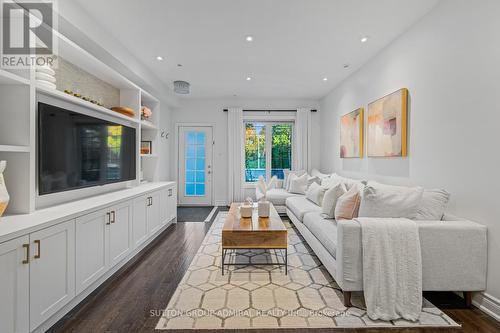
{"x": 249, "y": 38}
{"x": 159, "y": 58}
{"x": 364, "y": 39}
{"x": 179, "y": 65}
{"x": 325, "y": 79}
{"x": 346, "y": 65}
{"x": 249, "y": 78}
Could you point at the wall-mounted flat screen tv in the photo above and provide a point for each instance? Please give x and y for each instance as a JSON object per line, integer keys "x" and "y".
{"x": 77, "y": 151}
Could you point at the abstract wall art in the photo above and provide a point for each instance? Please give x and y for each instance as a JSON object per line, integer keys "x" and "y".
{"x": 351, "y": 134}
{"x": 387, "y": 125}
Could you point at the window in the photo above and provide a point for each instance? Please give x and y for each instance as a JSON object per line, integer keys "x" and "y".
{"x": 195, "y": 163}
{"x": 263, "y": 137}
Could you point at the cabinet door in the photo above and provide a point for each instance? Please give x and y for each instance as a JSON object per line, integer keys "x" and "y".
{"x": 14, "y": 286}
{"x": 154, "y": 223}
{"x": 91, "y": 248}
{"x": 52, "y": 271}
{"x": 119, "y": 232}
{"x": 164, "y": 207}
{"x": 172, "y": 203}
{"x": 139, "y": 221}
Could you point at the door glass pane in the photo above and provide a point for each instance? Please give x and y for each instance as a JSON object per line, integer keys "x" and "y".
{"x": 281, "y": 155}
{"x": 255, "y": 153}
{"x": 195, "y": 163}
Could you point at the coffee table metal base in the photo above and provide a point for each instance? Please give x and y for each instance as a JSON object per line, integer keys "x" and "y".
{"x": 278, "y": 263}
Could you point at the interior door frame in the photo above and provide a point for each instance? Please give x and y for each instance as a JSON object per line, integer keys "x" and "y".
{"x": 176, "y": 166}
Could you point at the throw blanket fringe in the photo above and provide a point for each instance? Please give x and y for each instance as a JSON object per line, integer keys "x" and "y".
{"x": 392, "y": 268}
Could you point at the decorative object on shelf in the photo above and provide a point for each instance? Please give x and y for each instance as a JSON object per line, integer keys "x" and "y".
{"x": 45, "y": 77}
{"x": 387, "y": 125}
{"x": 263, "y": 208}
{"x": 4, "y": 195}
{"x": 124, "y": 110}
{"x": 181, "y": 87}
{"x": 246, "y": 208}
{"x": 351, "y": 134}
{"x": 146, "y": 147}
{"x": 146, "y": 113}
{"x": 78, "y": 95}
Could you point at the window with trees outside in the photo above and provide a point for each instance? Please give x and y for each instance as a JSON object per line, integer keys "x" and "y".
{"x": 264, "y": 137}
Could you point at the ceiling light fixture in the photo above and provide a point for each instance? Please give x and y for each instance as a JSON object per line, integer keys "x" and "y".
{"x": 159, "y": 58}
{"x": 364, "y": 39}
{"x": 325, "y": 79}
{"x": 249, "y": 38}
{"x": 249, "y": 78}
{"x": 181, "y": 87}
{"x": 346, "y": 65}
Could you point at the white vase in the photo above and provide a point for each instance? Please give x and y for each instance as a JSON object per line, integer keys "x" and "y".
{"x": 263, "y": 208}
{"x": 4, "y": 195}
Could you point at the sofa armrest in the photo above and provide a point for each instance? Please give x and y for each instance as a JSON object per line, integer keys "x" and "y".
{"x": 349, "y": 256}
{"x": 454, "y": 255}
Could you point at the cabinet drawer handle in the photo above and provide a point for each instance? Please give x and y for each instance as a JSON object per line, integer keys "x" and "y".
{"x": 114, "y": 216}
{"x": 27, "y": 260}
{"x": 170, "y": 192}
{"x": 37, "y": 255}
{"x": 151, "y": 200}
{"x": 108, "y": 215}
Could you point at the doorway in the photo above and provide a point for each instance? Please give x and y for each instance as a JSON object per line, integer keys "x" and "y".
{"x": 195, "y": 165}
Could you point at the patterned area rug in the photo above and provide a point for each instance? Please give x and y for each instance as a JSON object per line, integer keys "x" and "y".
{"x": 264, "y": 297}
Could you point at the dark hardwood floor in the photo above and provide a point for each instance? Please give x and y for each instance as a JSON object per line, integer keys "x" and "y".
{"x": 124, "y": 303}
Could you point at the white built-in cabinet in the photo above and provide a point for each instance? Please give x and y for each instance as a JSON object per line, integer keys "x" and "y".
{"x": 43, "y": 271}
{"x": 14, "y": 285}
{"x": 52, "y": 271}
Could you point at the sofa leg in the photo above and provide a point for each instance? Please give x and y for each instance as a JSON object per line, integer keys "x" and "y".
{"x": 468, "y": 299}
{"x": 347, "y": 299}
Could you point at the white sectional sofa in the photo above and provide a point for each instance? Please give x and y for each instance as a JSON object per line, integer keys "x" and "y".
{"x": 454, "y": 250}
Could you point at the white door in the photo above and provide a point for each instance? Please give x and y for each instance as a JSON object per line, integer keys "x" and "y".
{"x": 119, "y": 232}
{"x": 91, "y": 248}
{"x": 153, "y": 212}
{"x": 14, "y": 286}
{"x": 52, "y": 271}
{"x": 139, "y": 221}
{"x": 195, "y": 165}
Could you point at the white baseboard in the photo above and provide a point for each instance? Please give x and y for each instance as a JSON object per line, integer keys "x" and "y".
{"x": 220, "y": 203}
{"x": 488, "y": 304}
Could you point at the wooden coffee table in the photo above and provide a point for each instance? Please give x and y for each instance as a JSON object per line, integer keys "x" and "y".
{"x": 268, "y": 233}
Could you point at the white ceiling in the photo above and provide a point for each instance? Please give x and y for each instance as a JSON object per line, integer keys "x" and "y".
{"x": 296, "y": 42}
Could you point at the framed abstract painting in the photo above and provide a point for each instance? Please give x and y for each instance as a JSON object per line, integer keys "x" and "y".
{"x": 387, "y": 125}
{"x": 351, "y": 134}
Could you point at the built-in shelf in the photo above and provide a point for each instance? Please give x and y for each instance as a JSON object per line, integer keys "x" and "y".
{"x": 14, "y": 149}
{"x": 148, "y": 125}
{"x": 149, "y": 155}
{"x": 10, "y": 78}
{"x": 79, "y": 101}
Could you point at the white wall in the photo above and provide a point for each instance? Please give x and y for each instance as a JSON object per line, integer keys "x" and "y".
{"x": 210, "y": 111}
{"x": 450, "y": 63}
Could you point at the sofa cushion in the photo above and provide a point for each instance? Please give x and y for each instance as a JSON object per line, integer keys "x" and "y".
{"x": 287, "y": 173}
{"x": 325, "y": 230}
{"x": 432, "y": 205}
{"x": 347, "y": 206}
{"x": 299, "y": 206}
{"x": 315, "y": 193}
{"x": 380, "y": 200}
{"x": 330, "y": 200}
{"x": 298, "y": 184}
{"x": 278, "y": 196}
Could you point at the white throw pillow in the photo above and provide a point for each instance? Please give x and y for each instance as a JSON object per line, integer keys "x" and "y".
{"x": 313, "y": 179}
{"x": 380, "y": 200}
{"x": 330, "y": 199}
{"x": 298, "y": 184}
{"x": 320, "y": 175}
{"x": 432, "y": 205}
{"x": 287, "y": 173}
{"x": 315, "y": 193}
{"x": 348, "y": 182}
